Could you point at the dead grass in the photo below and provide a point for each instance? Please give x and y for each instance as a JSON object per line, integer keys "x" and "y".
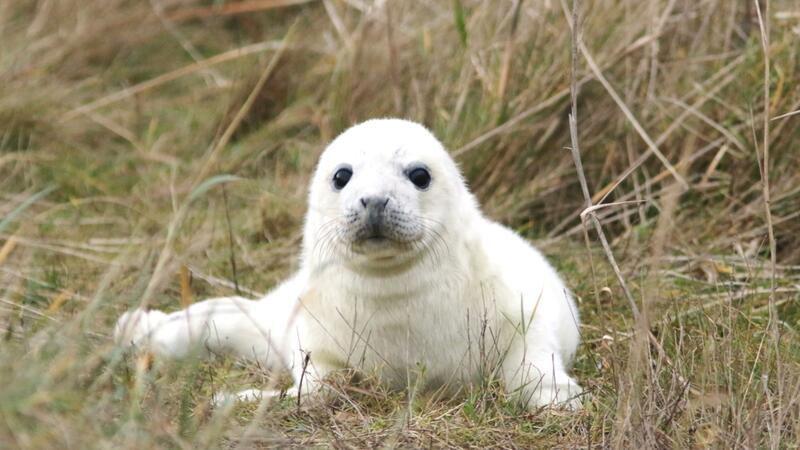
{"x": 127, "y": 117}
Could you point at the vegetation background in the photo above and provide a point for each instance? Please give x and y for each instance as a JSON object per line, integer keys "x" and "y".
{"x": 160, "y": 151}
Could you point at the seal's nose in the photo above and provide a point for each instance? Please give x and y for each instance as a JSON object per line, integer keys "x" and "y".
{"x": 374, "y": 208}
{"x": 376, "y": 204}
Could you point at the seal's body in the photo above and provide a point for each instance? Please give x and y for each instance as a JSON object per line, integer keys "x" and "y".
{"x": 401, "y": 276}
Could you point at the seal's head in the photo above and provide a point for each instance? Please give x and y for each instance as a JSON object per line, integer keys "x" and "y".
{"x": 384, "y": 191}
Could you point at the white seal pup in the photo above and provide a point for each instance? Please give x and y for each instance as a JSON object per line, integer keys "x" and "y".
{"x": 401, "y": 276}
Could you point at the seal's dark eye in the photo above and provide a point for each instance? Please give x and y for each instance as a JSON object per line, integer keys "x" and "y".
{"x": 420, "y": 177}
{"x": 341, "y": 177}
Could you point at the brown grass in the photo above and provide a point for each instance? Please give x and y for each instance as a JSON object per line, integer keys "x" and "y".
{"x": 122, "y": 121}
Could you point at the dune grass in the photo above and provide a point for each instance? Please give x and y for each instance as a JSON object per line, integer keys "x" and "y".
{"x": 159, "y": 152}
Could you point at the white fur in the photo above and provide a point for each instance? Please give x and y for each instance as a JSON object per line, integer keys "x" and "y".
{"x": 462, "y": 298}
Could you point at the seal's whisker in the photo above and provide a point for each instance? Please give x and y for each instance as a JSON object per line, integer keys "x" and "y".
{"x": 323, "y": 234}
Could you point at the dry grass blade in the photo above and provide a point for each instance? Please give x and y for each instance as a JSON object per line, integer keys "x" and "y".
{"x": 186, "y": 286}
{"x": 513, "y": 122}
{"x": 539, "y": 107}
{"x": 631, "y": 118}
{"x": 232, "y": 8}
{"x": 8, "y": 246}
{"x": 789, "y": 114}
{"x": 576, "y": 155}
{"x": 765, "y": 165}
{"x": 779, "y": 416}
{"x": 171, "y": 76}
{"x": 208, "y": 164}
{"x": 715, "y": 84}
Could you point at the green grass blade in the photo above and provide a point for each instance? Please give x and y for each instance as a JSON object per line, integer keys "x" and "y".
{"x": 23, "y": 206}
{"x": 210, "y": 183}
{"x": 461, "y": 22}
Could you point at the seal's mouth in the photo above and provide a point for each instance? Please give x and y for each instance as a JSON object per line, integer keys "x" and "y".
{"x": 381, "y": 228}
{"x": 374, "y": 237}
{"x": 374, "y": 230}
{"x": 375, "y": 241}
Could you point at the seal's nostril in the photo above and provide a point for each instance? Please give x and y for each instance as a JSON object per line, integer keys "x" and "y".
{"x": 374, "y": 203}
